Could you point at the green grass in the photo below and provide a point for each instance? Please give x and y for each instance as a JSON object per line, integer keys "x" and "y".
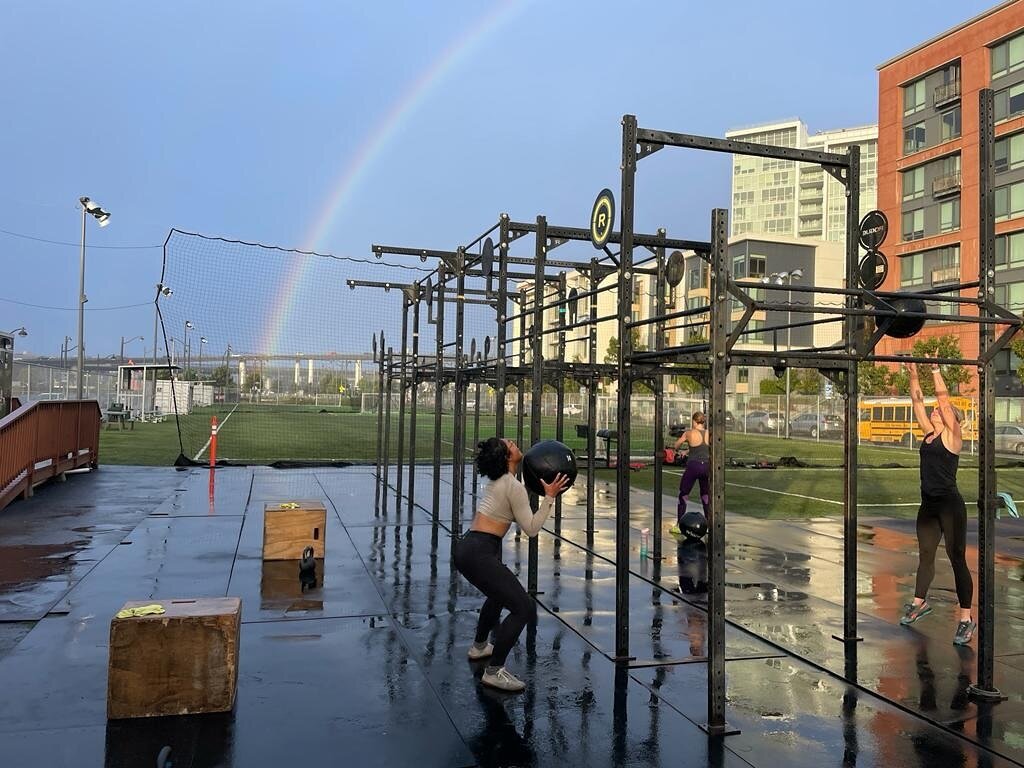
{"x": 261, "y": 434}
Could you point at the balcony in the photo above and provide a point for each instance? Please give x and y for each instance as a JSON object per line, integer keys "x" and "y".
{"x": 946, "y": 94}
{"x": 946, "y": 275}
{"x": 946, "y": 185}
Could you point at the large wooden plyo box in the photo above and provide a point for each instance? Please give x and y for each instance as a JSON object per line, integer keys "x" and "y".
{"x": 181, "y": 662}
{"x": 291, "y": 526}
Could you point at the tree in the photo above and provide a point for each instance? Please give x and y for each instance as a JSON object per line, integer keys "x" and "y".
{"x": 805, "y": 381}
{"x": 937, "y": 346}
{"x": 773, "y": 386}
{"x": 612, "y": 355}
{"x": 221, "y": 376}
{"x": 873, "y": 378}
{"x": 1017, "y": 347}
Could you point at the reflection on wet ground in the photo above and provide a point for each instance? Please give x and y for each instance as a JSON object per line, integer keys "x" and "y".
{"x": 368, "y": 659}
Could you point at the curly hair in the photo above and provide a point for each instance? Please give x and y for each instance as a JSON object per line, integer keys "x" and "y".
{"x": 492, "y": 458}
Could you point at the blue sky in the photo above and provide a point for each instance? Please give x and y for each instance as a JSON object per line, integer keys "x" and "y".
{"x": 238, "y": 119}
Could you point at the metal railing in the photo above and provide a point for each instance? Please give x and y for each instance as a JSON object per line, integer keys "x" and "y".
{"x": 943, "y": 94}
{"x": 43, "y": 440}
{"x": 946, "y": 185}
{"x": 946, "y": 275}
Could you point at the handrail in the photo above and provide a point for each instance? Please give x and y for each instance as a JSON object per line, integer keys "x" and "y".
{"x": 44, "y": 439}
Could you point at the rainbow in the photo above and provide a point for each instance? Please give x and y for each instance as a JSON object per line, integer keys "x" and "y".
{"x": 373, "y": 145}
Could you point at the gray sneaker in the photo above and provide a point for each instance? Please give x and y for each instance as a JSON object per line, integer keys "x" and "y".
{"x": 914, "y": 612}
{"x": 503, "y": 680}
{"x": 964, "y": 632}
{"x": 476, "y": 653}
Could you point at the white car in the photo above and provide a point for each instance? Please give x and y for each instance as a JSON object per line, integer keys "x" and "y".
{"x": 571, "y": 409}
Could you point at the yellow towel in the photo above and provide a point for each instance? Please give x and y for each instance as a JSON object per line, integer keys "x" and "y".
{"x": 290, "y": 505}
{"x": 154, "y": 609}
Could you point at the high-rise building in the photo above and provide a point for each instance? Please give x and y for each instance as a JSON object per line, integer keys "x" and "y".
{"x": 928, "y": 172}
{"x": 783, "y": 197}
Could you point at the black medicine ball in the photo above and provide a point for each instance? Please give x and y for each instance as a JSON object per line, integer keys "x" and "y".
{"x": 693, "y": 525}
{"x": 545, "y": 460}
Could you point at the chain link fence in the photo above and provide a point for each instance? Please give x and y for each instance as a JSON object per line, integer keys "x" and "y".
{"x": 32, "y": 381}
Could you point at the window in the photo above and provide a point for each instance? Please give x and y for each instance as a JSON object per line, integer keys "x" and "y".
{"x": 913, "y": 225}
{"x": 913, "y": 138}
{"x": 739, "y": 267}
{"x": 1010, "y": 251}
{"x": 1009, "y": 201}
{"x": 753, "y": 337}
{"x": 1010, "y": 296}
{"x": 1009, "y": 152}
{"x": 1008, "y": 56}
{"x": 914, "y": 99}
{"x": 757, "y": 266}
{"x": 912, "y": 269}
{"x": 742, "y": 375}
{"x": 696, "y": 277}
{"x": 951, "y": 124}
{"x": 913, "y": 183}
{"x": 696, "y": 303}
{"x": 1009, "y": 102}
{"x": 949, "y": 215}
{"x": 948, "y": 166}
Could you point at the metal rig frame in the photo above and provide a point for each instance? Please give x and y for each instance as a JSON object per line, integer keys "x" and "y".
{"x": 707, "y": 360}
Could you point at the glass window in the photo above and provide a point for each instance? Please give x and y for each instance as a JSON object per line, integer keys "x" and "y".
{"x": 913, "y": 225}
{"x": 913, "y": 183}
{"x": 757, "y": 266}
{"x": 1010, "y": 251}
{"x": 887, "y": 413}
{"x": 1008, "y": 56}
{"x": 1009, "y": 102}
{"x": 1009, "y": 152}
{"x": 951, "y": 124}
{"x": 742, "y": 375}
{"x": 695, "y": 277}
{"x": 1010, "y": 296}
{"x": 912, "y": 269}
{"x": 949, "y": 215}
{"x": 1009, "y": 201}
{"x": 739, "y": 267}
{"x": 914, "y": 98}
{"x": 914, "y": 138}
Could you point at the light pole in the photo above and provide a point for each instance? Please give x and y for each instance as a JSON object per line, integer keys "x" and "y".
{"x": 19, "y": 332}
{"x": 185, "y": 347}
{"x": 787, "y": 278}
{"x": 128, "y": 341}
{"x": 202, "y": 340}
{"x": 65, "y": 350}
{"x": 92, "y": 208}
{"x": 166, "y": 291}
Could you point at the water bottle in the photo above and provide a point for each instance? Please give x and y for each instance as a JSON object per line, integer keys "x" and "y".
{"x": 645, "y": 535}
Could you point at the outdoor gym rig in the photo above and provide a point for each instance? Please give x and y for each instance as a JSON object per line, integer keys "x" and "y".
{"x": 861, "y": 314}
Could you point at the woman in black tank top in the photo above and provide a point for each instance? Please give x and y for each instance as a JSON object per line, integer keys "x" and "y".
{"x": 942, "y": 512}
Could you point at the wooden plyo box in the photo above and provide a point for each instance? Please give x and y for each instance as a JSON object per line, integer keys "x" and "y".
{"x": 289, "y": 527}
{"x": 181, "y": 662}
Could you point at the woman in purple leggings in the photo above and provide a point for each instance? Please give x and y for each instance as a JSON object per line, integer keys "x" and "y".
{"x": 698, "y": 459}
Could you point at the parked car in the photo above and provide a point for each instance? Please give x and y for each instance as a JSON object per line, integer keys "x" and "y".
{"x": 571, "y": 409}
{"x": 677, "y": 429}
{"x": 1010, "y": 438}
{"x": 763, "y": 421}
{"x": 814, "y": 424}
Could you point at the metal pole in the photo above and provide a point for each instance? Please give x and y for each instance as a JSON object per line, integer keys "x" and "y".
{"x": 438, "y": 390}
{"x": 380, "y": 423}
{"x": 789, "y": 346}
{"x": 388, "y": 376}
{"x": 625, "y": 390}
{"x": 402, "y": 383}
{"x": 985, "y": 687}
{"x": 537, "y": 352}
{"x": 502, "y": 312}
{"x": 81, "y": 309}
{"x": 719, "y": 333}
{"x": 850, "y": 405}
{"x": 414, "y": 388}
{"x": 592, "y": 407}
{"x": 562, "y": 312}
{"x": 458, "y": 403}
{"x": 659, "y": 402}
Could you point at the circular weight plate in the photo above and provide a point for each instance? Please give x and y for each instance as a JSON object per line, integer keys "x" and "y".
{"x": 873, "y": 270}
{"x": 602, "y": 219}
{"x": 472, "y": 349}
{"x": 375, "y": 345}
{"x": 430, "y": 292}
{"x": 487, "y": 346}
{"x": 675, "y": 268}
{"x": 487, "y": 257}
{"x": 873, "y": 229}
{"x": 382, "y": 343}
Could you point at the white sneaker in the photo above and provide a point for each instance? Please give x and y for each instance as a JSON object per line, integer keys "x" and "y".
{"x": 475, "y": 654}
{"x": 503, "y": 680}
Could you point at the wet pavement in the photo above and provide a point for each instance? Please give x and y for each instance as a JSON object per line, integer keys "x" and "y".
{"x": 367, "y": 666}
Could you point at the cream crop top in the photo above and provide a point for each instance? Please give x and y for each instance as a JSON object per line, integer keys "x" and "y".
{"x": 507, "y": 501}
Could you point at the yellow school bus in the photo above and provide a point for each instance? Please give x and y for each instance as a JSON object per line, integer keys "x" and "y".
{"x": 891, "y": 419}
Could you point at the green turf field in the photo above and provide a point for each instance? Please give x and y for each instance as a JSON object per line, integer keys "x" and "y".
{"x": 264, "y": 434}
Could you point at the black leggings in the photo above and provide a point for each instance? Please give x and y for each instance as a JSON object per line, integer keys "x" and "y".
{"x": 478, "y": 558}
{"x": 943, "y": 516}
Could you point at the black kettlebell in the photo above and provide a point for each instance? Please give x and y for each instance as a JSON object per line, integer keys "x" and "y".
{"x": 307, "y": 569}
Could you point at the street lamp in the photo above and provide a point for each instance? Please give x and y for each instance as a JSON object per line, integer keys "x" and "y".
{"x": 202, "y": 340}
{"x": 129, "y": 341}
{"x": 164, "y": 290}
{"x": 93, "y": 209}
{"x": 185, "y": 347}
{"x": 19, "y": 331}
{"x": 787, "y": 278}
